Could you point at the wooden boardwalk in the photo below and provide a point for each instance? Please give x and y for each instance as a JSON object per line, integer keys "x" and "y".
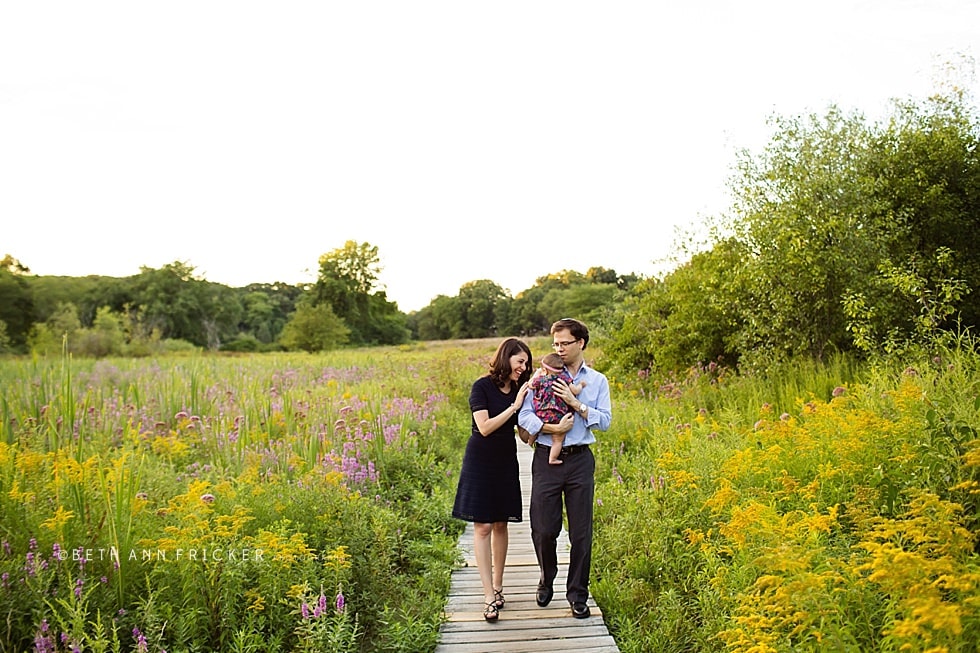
{"x": 523, "y": 627}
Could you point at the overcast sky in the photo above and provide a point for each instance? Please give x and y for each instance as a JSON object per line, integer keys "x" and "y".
{"x": 466, "y": 140}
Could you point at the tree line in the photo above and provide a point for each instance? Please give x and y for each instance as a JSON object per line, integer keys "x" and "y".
{"x": 845, "y": 236}
{"x": 171, "y": 308}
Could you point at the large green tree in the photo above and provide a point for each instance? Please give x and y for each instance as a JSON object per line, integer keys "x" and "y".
{"x": 178, "y": 304}
{"x": 927, "y": 182}
{"x": 348, "y": 282}
{"x": 802, "y": 210}
{"x": 844, "y": 236}
{"x": 480, "y": 304}
{"x": 855, "y": 223}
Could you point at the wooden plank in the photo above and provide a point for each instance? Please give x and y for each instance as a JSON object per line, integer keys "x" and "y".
{"x": 579, "y": 645}
{"x": 523, "y": 626}
{"x": 518, "y": 634}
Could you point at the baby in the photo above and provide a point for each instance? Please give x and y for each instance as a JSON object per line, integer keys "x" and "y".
{"x": 549, "y": 407}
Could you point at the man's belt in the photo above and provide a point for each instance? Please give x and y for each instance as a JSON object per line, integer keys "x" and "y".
{"x": 565, "y": 451}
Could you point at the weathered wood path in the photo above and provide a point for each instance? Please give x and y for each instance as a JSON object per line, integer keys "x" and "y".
{"x": 523, "y": 627}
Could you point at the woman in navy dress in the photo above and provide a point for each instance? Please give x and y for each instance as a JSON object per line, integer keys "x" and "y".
{"x": 489, "y": 490}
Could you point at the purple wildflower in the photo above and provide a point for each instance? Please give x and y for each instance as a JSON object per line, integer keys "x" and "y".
{"x": 142, "y": 646}
{"x": 44, "y": 643}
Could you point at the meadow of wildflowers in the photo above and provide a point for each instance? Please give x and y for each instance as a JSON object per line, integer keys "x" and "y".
{"x": 302, "y": 503}
{"x": 817, "y": 508}
{"x": 268, "y": 503}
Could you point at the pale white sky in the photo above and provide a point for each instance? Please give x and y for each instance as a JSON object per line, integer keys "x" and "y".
{"x": 466, "y": 140}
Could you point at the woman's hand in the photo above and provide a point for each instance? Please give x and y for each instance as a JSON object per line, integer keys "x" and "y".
{"x": 526, "y": 438}
{"x": 521, "y": 394}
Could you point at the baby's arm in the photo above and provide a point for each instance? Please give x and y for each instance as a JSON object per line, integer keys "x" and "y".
{"x": 574, "y": 387}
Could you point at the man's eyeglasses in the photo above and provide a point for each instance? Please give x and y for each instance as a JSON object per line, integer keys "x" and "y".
{"x": 562, "y": 345}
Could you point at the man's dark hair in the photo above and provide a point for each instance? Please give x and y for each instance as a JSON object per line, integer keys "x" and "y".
{"x": 578, "y": 330}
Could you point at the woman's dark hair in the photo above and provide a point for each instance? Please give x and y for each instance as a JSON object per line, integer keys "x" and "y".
{"x": 500, "y": 369}
{"x": 578, "y": 330}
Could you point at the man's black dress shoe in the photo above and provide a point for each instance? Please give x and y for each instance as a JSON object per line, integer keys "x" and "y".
{"x": 580, "y": 610}
{"x": 544, "y": 596}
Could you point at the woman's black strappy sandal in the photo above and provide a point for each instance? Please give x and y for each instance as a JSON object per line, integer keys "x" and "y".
{"x": 490, "y": 613}
{"x": 498, "y": 598}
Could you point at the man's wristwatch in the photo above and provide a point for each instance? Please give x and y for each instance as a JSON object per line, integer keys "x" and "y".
{"x": 582, "y": 408}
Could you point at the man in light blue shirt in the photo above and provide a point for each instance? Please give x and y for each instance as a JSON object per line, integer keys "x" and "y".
{"x": 574, "y": 480}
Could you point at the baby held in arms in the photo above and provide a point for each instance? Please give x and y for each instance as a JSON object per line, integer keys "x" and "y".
{"x": 549, "y": 407}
